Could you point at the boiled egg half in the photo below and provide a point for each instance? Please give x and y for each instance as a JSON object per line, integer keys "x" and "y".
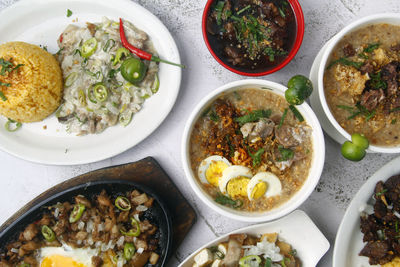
{"x": 66, "y": 256}
{"x": 234, "y": 181}
{"x": 263, "y": 184}
{"x": 211, "y": 168}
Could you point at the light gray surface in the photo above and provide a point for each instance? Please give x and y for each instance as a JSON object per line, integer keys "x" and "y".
{"x": 20, "y": 181}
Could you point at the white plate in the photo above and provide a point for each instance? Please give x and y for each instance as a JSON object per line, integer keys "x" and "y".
{"x": 41, "y": 22}
{"x": 296, "y": 228}
{"x": 348, "y": 241}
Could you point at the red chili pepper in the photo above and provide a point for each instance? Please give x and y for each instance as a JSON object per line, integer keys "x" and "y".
{"x": 61, "y": 38}
{"x": 138, "y": 52}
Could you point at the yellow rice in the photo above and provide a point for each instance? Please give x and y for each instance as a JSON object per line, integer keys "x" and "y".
{"x": 36, "y": 87}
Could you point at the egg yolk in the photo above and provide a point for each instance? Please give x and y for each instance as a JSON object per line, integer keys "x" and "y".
{"x": 214, "y": 172}
{"x": 60, "y": 261}
{"x": 259, "y": 190}
{"x": 238, "y": 187}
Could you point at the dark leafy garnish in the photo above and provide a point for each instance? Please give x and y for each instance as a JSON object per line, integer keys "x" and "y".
{"x": 213, "y": 116}
{"x": 69, "y": 13}
{"x": 226, "y": 201}
{"x": 217, "y": 252}
{"x": 2, "y": 96}
{"x": 345, "y": 107}
{"x": 345, "y": 61}
{"x": 243, "y": 10}
{"x": 271, "y": 53}
{"x": 257, "y": 156}
{"x": 358, "y": 110}
{"x": 286, "y": 153}
{"x": 231, "y": 148}
{"x": 253, "y": 116}
{"x": 371, "y": 47}
{"x": 219, "y": 7}
{"x": 376, "y": 81}
{"x": 296, "y": 113}
{"x": 282, "y": 118}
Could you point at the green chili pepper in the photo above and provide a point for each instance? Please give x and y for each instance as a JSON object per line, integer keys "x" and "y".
{"x": 246, "y": 261}
{"x": 121, "y": 52}
{"x": 48, "y": 234}
{"x": 132, "y": 232}
{"x": 82, "y": 97}
{"x": 11, "y": 127}
{"x": 109, "y": 45}
{"x": 123, "y": 203}
{"x": 89, "y": 47}
{"x": 71, "y": 78}
{"x": 100, "y": 92}
{"x": 156, "y": 84}
{"x": 129, "y": 251}
{"x": 76, "y": 213}
{"x": 133, "y": 70}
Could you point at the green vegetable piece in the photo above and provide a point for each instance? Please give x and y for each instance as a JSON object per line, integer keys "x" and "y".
{"x": 251, "y": 260}
{"x": 214, "y": 116}
{"x": 352, "y": 152}
{"x": 76, "y": 213}
{"x": 48, "y": 233}
{"x": 133, "y": 70}
{"x": 129, "y": 251}
{"x": 109, "y": 45}
{"x": 132, "y": 232}
{"x": 2, "y": 96}
{"x": 121, "y": 53}
{"x": 156, "y": 84}
{"x": 268, "y": 262}
{"x": 253, "y": 116}
{"x": 226, "y": 201}
{"x": 360, "y": 140}
{"x": 257, "y": 157}
{"x": 371, "y": 47}
{"x": 286, "y": 153}
{"x": 23, "y": 264}
{"x": 100, "y": 92}
{"x": 347, "y": 62}
{"x": 299, "y": 89}
{"x": 296, "y": 113}
{"x": 71, "y": 78}
{"x": 69, "y": 13}
{"x": 12, "y": 126}
{"x": 125, "y": 118}
{"x": 122, "y": 203}
{"x": 282, "y": 118}
{"x": 89, "y": 47}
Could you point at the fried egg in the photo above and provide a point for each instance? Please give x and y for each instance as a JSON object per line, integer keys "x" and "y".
{"x": 234, "y": 180}
{"x": 66, "y": 256}
{"x": 210, "y": 169}
{"x": 263, "y": 184}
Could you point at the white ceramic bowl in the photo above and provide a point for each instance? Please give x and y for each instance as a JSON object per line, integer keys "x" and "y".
{"x": 296, "y": 200}
{"x": 391, "y": 18}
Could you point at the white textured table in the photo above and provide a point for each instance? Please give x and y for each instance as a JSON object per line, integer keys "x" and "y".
{"x": 20, "y": 181}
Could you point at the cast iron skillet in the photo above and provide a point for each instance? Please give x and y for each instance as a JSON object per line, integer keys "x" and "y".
{"x": 157, "y": 214}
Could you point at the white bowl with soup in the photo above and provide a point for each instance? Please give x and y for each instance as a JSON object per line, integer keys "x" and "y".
{"x": 247, "y": 156}
{"x": 358, "y": 81}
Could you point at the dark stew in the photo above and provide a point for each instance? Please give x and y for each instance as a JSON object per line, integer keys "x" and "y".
{"x": 251, "y": 35}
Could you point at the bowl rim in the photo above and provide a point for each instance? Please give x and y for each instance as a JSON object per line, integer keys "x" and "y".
{"x": 296, "y": 200}
{"x": 300, "y": 28}
{"x": 355, "y": 25}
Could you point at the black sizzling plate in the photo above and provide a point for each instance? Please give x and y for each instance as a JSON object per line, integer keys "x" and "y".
{"x": 157, "y": 214}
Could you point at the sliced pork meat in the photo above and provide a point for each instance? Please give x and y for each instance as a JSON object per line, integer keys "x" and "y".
{"x": 257, "y": 130}
{"x": 234, "y": 251}
{"x": 288, "y": 136}
{"x": 370, "y": 99}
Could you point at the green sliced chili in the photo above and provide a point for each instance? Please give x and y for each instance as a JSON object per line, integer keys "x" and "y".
{"x": 122, "y": 203}
{"x": 132, "y": 232}
{"x": 100, "y": 92}
{"x": 71, "y": 78}
{"x": 109, "y": 45}
{"x": 82, "y": 97}
{"x": 48, "y": 233}
{"x": 129, "y": 251}
{"x": 76, "y": 213}
{"x": 248, "y": 260}
{"x": 89, "y": 47}
{"x": 126, "y": 117}
{"x": 12, "y": 125}
{"x": 121, "y": 52}
{"x": 156, "y": 84}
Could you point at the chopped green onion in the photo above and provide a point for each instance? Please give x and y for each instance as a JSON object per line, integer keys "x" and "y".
{"x": 243, "y": 10}
{"x": 346, "y": 62}
{"x": 69, "y": 13}
{"x": 109, "y": 45}
{"x": 253, "y": 116}
{"x": 371, "y": 47}
{"x": 282, "y": 118}
{"x": 286, "y": 153}
{"x": 2, "y": 96}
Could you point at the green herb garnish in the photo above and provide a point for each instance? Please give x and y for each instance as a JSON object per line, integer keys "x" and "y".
{"x": 12, "y": 125}
{"x": 69, "y": 13}
{"x": 217, "y": 252}
{"x": 226, "y": 201}
{"x": 296, "y": 113}
{"x": 286, "y": 153}
{"x": 282, "y": 118}
{"x": 345, "y": 61}
{"x": 5, "y": 84}
{"x": 253, "y": 116}
{"x": 2, "y": 96}
{"x": 393, "y": 121}
{"x": 219, "y": 7}
{"x": 376, "y": 81}
{"x": 293, "y": 252}
{"x": 237, "y": 96}
{"x": 345, "y": 107}
{"x": 213, "y": 116}
{"x": 268, "y": 262}
{"x": 381, "y": 192}
{"x": 257, "y": 156}
{"x": 243, "y": 10}
{"x": 371, "y": 47}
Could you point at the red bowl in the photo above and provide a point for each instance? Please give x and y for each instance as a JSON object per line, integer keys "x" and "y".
{"x": 298, "y": 12}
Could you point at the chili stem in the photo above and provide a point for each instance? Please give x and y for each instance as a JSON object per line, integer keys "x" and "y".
{"x": 157, "y": 59}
